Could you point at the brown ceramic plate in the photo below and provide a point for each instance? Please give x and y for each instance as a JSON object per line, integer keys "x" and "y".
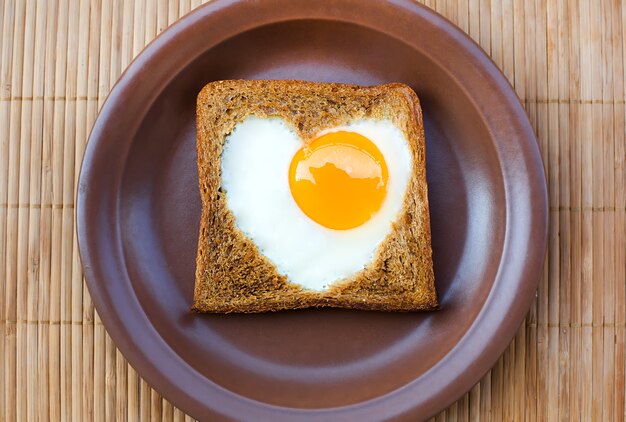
{"x": 138, "y": 212}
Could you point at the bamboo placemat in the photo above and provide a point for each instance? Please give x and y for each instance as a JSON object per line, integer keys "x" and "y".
{"x": 58, "y": 61}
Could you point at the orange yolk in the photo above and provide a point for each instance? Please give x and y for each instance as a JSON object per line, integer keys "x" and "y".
{"x": 339, "y": 179}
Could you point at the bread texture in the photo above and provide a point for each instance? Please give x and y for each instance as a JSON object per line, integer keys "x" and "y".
{"x": 232, "y": 275}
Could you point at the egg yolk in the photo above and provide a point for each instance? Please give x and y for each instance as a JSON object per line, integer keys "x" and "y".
{"x": 339, "y": 179}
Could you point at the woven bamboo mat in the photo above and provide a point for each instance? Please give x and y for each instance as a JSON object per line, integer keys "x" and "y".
{"x": 58, "y": 60}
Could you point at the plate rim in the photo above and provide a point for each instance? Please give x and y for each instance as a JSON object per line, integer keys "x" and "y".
{"x": 481, "y": 350}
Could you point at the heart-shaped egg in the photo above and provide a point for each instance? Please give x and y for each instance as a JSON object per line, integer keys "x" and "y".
{"x": 317, "y": 208}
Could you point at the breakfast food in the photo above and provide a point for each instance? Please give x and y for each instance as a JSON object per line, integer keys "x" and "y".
{"x": 313, "y": 194}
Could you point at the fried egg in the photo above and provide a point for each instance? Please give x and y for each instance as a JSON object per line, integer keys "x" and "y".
{"x": 318, "y": 208}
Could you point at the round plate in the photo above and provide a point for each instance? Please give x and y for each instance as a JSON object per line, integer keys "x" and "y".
{"x": 138, "y": 211}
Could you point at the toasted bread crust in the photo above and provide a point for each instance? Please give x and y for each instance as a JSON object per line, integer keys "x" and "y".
{"x": 231, "y": 273}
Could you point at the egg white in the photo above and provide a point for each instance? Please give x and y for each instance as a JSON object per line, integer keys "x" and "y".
{"x": 255, "y": 167}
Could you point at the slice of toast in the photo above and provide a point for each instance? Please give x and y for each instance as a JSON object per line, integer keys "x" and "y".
{"x": 232, "y": 275}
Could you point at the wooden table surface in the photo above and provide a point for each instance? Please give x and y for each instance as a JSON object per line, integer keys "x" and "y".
{"x": 565, "y": 58}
